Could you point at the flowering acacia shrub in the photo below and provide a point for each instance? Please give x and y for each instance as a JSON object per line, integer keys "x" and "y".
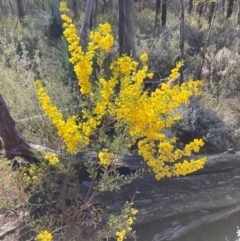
{"x": 118, "y": 101}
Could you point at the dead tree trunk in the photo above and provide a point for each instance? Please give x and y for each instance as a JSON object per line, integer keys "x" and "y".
{"x": 14, "y": 143}
{"x": 126, "y": 28}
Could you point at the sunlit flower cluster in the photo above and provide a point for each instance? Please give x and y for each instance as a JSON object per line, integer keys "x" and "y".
{"x": 44, "y": 236}
{"x": 101, "y": 39}
{"x": 145, "y": 116}
{"x": 175, "y": 72}
{"x": 105, "y": 157}
{"x": 129, "y": 214}
{"x": 52, "y": 158}
{"x": 68, "y": 129}
{"x": 63, "y": 7}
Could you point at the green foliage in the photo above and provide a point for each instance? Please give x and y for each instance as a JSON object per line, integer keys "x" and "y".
{"x": 145, "y": 21}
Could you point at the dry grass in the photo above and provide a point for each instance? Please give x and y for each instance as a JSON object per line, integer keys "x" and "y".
{"x": 9, "y": 204}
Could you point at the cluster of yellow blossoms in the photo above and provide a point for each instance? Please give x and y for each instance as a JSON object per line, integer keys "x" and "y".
{"x": 130, "y": 216}
{"x": 44, "y": 236}
{"x": 175, "y": 72}
{"x": 145, "y": 116}
{"x": 105, "y": 157}
{"x": 52, "y": 158}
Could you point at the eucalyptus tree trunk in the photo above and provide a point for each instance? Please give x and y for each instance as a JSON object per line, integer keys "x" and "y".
{"x": 86, "y": 23}
{"x": 126, "y": 27}
{"x": 230, "y": 8}
{"x": 238, "y": 13}
{"x": 158, "y": 14}
{"x": 181, "y": 38}
{"x": 223, "y": 6}
{"x": 164, "y": 13}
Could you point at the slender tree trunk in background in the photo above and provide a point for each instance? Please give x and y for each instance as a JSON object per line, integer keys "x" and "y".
{"x": 181, "y": 80}
{"x": 1, "y": 8}
{"x": 86, "y": 23}
{"x": 75, "y": 9}
{"x": 20, "y": 10}
{"x": 126, "y": 27}
{"x": 91, "y": 22}
{"x": 230, "y": 8}
{"x": 190, "y": 6}
{"x": 211, "y": 12}
{"x": 56, "y": 7}
{"x": 238, "y": 13}
{"x": 223, "y": 6}
{"x": 158, "y": 15}
{"x": 164, "y": 13}
{"x": 104, "y": 10}
{"x": 115, "y": 9}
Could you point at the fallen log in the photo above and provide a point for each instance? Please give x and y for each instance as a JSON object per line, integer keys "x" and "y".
{"x": 181, "y": 204}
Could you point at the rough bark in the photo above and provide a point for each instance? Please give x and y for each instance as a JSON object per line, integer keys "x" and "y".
{"x": 126, "y": 28}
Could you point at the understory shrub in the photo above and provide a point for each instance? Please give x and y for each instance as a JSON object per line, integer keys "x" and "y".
{"x": 198, "y": 121}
